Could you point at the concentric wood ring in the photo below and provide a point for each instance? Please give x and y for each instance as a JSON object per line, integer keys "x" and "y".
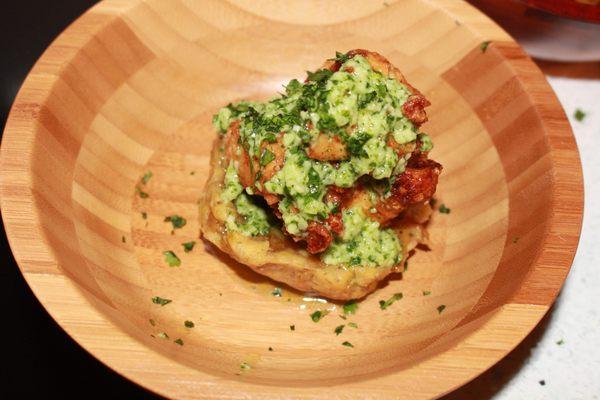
{"x": 131, "y": 86}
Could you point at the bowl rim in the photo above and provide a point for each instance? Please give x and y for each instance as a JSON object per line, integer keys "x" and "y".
{"x": 20, "y": 129}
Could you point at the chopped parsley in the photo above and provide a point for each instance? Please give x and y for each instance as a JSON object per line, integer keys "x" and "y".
{"x": 176, "y": 220}
{"x": 357, "y": 142}
{"x": 350, "y": 307}
{"x": 406, "y": 265}
{"x": 146, "y": 177}
{"x": 484, "y": 46}
{"x": 352, "y": 325}
{"x": 292, "y": 327}
{"x": 426, "y": 292}
{"x": 270, "y": 349}
{"x": 320, "y": 76}
{"x": 163, "y": 335}
{"x": 141, "y": 193}
{"x": 188, "y": 246}
{"x": 245, "y": 366}
{"x": 579, "y": 114}
{"x": 347, "y": 344}
{"x": 338, "y": 329}
{"x": 266, "y": 157}
{"x": 152, "y": 322}
{"x": 144, "y": 215}
{"x": 383, "y": 304}
{"x": 161, "y": 301}
{"x": 178, "y": 341}
{"x": 340, "y": 57}
{"x": 189, "y": 324}
{"x": 542, "y": 382}
{"x": 443, "y": 209}
{"x": 560, "y": 342}
{"x": 172, "y": 259}
{"x": 276, "y": 292}
{"x": 317, "y": 315}
{"x": 441, "y": 308}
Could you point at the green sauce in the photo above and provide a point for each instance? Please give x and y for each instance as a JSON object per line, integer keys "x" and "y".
{"x": 363, "y": 243}
{"x": 360, "y": 106}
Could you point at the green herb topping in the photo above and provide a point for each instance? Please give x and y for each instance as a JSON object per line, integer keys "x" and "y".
{"x": 146, "y": 177}
{"x": 161, "y": 301}
{"x": 188, "y": 246}
{"x": 176, "y": 220}
{"x": 355, "y": 106}
{"x": 317, "y": 315}
{"x": 443, "y": 209}
{"x": 141, "y": 193}
{"x": 245, "y": 366}
{"x": 171, "y": 259}
{"x": 383, "y": 304}
{"x": 350, "y": 307}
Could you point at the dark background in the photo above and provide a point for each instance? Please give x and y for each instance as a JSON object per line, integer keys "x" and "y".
{"x": 37, "y": 358}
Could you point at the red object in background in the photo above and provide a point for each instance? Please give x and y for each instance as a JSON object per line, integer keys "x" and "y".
{"x": 546, "y": 35}
{"x": 584, "y": 10}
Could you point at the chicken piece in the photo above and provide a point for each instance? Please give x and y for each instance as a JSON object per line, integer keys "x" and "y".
{"x": 401, "y": 149}
{"x": 360, "y": 198}
{"x": 318, "y": 237}
{"x": 416, "y": 184}
{"x": 327, "y": 148}
{"x": 266, "y": 173}
{"x": 277, "y": 148}
{"x": 249, "y": 168}
{"x": 414, "y": 108}
{"x": 338, "y": 195}
{"x": 236, "y": 152}
{"x": 335, "y": 223}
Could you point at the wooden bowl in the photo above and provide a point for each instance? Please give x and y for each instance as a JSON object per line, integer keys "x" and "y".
{"x": 131, "y": 86}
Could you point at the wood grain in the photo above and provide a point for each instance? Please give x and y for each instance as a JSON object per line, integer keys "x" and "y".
{"x": 131, "y": 86}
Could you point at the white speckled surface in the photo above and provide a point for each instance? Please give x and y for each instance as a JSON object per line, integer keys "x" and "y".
{"x": 569, "y": 371}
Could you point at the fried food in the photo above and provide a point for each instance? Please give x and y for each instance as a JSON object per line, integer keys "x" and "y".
{"x": 325, "y": 188}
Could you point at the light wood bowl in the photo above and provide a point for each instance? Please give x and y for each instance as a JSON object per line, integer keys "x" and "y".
{"x": 131, "y": 87}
